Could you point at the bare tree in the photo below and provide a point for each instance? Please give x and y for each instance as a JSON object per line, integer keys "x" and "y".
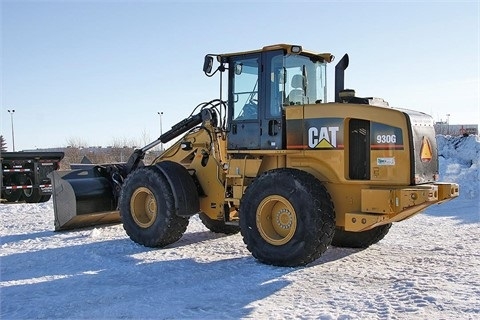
{"x": 76, "y": 142}
{"x": 145, "y": 138}
{"x": 119, "y": 151}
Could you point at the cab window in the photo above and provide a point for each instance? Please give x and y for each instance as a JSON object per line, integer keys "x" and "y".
{"x": 245, "y": 89}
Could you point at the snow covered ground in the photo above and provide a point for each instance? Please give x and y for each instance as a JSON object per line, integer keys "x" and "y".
{"x": 427, "y": 267}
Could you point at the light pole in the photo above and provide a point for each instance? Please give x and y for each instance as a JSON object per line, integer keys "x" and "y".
{"x": 13, "y": 132}
{"x": 448, "y": 123}
{"x": 161, "y": 130}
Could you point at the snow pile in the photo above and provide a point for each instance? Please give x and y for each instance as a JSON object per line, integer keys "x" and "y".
{"x": 459, "y": 160}
{"x": 427, "y": 267}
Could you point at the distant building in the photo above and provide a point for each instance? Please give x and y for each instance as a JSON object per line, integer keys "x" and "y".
{"x": 455, "y": 129}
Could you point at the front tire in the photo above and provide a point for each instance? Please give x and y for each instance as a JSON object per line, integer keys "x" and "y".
{"x": 147, "y": 209}
{"x": 287, "y": 218}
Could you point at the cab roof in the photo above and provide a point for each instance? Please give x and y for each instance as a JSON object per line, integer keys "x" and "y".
{"x": 288, "y": 48}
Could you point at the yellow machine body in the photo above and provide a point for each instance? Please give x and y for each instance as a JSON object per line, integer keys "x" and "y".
{"x": 275, "y": 161}
{"x": 359, "y": 205}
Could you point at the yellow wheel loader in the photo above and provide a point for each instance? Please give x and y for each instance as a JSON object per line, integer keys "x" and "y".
{"x": 274, "y": 161}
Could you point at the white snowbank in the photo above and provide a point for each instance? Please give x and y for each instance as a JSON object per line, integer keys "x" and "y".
{"x": 427, "y": 267}
{"x": 459, "y": 160}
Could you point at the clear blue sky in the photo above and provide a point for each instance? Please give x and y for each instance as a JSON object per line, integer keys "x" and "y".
{"x": 99, "y": 71}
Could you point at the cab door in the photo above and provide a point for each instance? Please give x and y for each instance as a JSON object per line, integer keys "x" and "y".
{"x": 255, "y": 101}
{"x": 244, "y": 102}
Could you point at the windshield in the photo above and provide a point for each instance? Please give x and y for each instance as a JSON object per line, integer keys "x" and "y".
{"x": 274, "y": 80}
{"x": 302, "y": 80}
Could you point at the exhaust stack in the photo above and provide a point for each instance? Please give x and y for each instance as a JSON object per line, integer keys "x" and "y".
{"x": 340, "y": 76}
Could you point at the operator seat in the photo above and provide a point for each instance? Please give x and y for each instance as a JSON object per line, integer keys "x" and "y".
{"x": 297, "y": 94}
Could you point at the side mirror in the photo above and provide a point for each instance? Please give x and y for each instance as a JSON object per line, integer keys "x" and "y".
{"x": 208, "y": 64}
{"x": 238, "y": 69}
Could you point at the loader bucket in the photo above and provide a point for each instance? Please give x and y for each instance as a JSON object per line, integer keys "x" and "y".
{"x": 82, "y": 198}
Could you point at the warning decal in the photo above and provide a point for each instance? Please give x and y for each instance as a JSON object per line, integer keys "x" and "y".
{"x": 426, "y": 150}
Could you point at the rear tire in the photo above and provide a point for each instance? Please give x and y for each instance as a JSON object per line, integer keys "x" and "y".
{"x": 287, "y": 218}
{"x": 12, "y": 195}
{"x": 147, "y": 209}
{"x": 364, "y": 239}
{"x": 31, "y": 195}
{"x": 218, "y": 226}
{"x": 45, "y": 198}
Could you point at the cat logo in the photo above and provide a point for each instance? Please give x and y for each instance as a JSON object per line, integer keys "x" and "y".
{"x": 325, "y": 138}
{"x": 426, "y": 150}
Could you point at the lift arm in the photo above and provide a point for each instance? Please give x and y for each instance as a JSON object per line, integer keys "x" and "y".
{"x": 178, "y": 129}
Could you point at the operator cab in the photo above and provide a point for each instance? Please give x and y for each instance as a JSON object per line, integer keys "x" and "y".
{"x": 261, "y": 84}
